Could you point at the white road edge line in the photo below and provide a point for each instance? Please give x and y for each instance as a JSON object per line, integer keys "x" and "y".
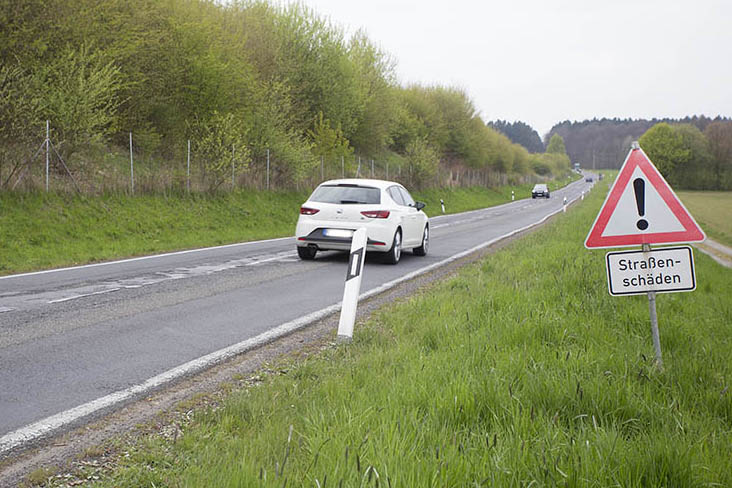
{"x": 141, "y": 258}
{"x": 50, "y": 424}
{"x": 60, "y": 300}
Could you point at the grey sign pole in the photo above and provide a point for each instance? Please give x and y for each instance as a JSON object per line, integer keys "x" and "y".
{"x": 48, "y": 148}
{"x": 654, "y": 320}
{"x": 132, "y": 168}
{"x": 267, "y": 169}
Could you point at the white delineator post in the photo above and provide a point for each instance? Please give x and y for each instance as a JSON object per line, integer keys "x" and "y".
{"x": 513, "y": 197}
{"x": 442, "y": 204}
{"x": 353, "y": 286}
{"x": 564, "y": 204}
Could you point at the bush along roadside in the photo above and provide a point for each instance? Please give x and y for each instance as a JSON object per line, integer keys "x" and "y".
{"x": 521, "y": 370}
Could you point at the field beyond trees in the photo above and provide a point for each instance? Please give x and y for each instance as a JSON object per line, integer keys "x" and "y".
{"x": 711, "y": 210}
{"x": 519, "y": 371}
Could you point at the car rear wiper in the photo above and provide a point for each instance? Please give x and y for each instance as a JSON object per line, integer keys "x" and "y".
{"x": 352, "y": 201}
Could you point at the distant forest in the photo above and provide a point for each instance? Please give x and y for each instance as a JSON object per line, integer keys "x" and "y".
{"x": 693, "y": 152}
{"x": 520, "y": 133}
{"x": 604, "y": 143}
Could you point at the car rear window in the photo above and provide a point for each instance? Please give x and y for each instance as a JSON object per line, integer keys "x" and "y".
{"x": 346, "y": 194}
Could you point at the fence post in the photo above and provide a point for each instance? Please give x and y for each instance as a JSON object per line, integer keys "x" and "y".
{"x": 48, "y": 144}
{"x": 188, "y": 169}
{"x": 267, "y": 169}
{"x": 343, "y": 167}
{"x": 132, "y": 168}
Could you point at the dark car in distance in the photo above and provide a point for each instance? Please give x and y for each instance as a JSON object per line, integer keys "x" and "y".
{"x": 540, "y": 190}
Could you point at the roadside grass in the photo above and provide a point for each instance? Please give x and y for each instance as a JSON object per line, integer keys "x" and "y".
{"x": 520, "y": 370}
{"x": 712, "y": 211}
{"x": 41, "y": 231}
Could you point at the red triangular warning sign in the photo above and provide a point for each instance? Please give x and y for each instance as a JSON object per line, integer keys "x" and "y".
{"x": 641, "y": 208}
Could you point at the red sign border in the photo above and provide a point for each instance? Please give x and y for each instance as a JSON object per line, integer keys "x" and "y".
{"x": 638, "y": 159}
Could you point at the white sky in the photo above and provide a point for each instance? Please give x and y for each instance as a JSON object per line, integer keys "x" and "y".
{"x": 545, "y": 61}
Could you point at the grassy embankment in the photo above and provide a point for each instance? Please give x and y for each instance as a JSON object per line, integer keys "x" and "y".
{"x": 519, "y": 371}
{"x": 39, "y": 231}
{"x": 712, "y": 211}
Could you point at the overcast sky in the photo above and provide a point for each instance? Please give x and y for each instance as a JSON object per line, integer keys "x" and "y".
{"x": 545, "y": 61}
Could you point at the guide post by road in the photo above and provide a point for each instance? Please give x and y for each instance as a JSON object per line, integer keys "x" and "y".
{"x": 642, "y": 209}
{"x": 353, "y": 285}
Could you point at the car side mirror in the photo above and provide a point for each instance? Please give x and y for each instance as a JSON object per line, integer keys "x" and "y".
{"x": 419, "y": 205}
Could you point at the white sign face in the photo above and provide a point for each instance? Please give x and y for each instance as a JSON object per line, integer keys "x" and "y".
{"x": 641, "y": 208}
{"x": 661, "y": 270}
{"x": 657, "y": 215}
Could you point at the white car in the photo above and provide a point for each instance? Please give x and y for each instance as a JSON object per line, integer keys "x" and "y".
{"x": 393, "y": 220}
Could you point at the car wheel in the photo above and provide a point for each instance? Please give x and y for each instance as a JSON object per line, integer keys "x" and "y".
{"x": 422, "y": 250}
{"x": 306, "y": 253}
{"x": 392, "y": 257}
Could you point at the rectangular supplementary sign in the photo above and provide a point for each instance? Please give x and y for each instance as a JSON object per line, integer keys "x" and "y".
{"x": 661, "y": 270}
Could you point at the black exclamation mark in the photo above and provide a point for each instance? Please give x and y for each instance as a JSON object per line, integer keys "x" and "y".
{"x": 639, "y": 186}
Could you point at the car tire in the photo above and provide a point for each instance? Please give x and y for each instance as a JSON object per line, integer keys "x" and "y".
{"x": 395, "y": 253}
{"x": 306, "y": 253}
{"x": 422, "y": 250}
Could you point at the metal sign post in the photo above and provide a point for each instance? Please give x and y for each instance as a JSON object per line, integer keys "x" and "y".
{"x": 654, "y": 319}
{"x": 132, "y": 168}
{"x": 48, "y": 149}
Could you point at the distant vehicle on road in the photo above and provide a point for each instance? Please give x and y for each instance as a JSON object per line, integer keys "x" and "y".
{"x": 588, "y": 179}
{"x": 540, "y": 190}
{"x": 337, "y": 208}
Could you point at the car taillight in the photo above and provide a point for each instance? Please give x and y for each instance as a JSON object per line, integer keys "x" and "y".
{"x": 376, "y": 214}
{"x": 308, "y": 211}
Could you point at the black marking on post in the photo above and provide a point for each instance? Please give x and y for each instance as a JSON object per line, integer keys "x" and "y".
{"x": 356, "y": 258}
{"x": 639, "y": 188}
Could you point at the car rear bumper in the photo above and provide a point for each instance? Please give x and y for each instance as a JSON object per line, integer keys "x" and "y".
{"x": 323, "y": 242}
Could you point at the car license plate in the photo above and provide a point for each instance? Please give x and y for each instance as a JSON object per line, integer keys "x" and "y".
{"x": 337, "y": 233}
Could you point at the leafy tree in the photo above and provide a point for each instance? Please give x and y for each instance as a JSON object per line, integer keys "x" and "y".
{"x": 221, "y": 145}
{"x": 422, "y": 161}
{"x": 328, "y": 142}
{"x": 556, "y": 145}
{"x": 666, "y": 148}
{"x": 719, "y": 136}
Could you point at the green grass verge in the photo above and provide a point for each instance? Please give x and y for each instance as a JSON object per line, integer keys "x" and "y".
{"x": 519, "y": 371}
{"x": 41, "y": 231}
{"x": 712, "y": 211}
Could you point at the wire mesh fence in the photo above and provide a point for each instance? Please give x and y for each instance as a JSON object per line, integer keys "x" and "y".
{"x": 135, "y": 170}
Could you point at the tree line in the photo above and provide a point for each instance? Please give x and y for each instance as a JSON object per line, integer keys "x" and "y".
{"x": 250, "y": 75}
{"x": 692, "y": 153}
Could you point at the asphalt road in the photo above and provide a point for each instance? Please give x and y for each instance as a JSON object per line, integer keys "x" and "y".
{"x": 77, "y": 341}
